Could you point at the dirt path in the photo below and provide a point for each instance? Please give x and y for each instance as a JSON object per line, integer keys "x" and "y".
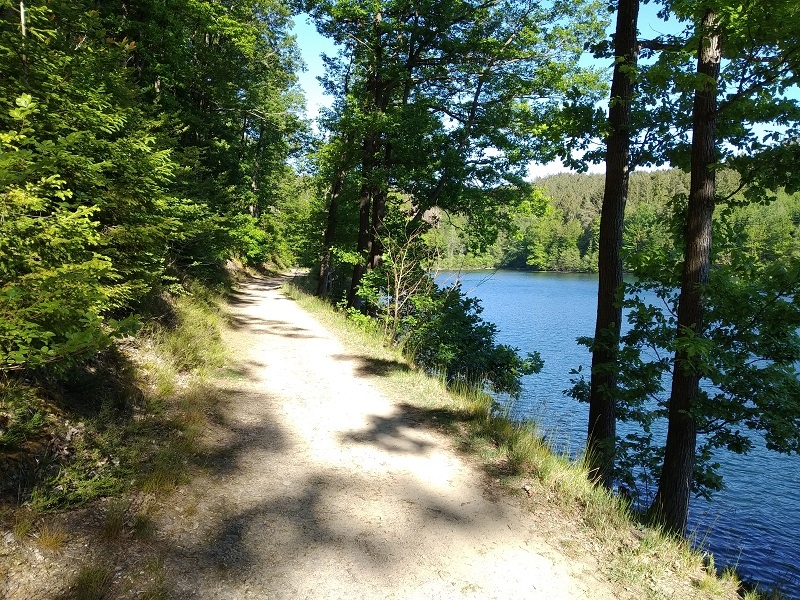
{"x": 323, "y": 489}
{"x": 313, "y": 485}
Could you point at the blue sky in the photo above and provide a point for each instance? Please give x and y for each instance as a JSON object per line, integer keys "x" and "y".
{"x": 312, "y": 45}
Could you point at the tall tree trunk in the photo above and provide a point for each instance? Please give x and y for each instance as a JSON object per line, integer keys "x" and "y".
{"x": 602, "y": 404}
{"x": 375, "y": 243}
{"x": 326, "y": 263}
{"x": 364, "y": 204}
{"x": 378, "y": 212}
{"x": 671, "y": 504}
{"x": 364, "y": 209}
{"x": 371, "y": 187}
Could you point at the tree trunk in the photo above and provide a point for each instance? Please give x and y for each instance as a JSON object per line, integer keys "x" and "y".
{"x": 375, "y": 243}
{"x": 326, "y": 263}
{"x": 671, "y": 504}
{"x": 364, "y": 204}
{"x": 602, "y": 404}
{"x": 370, "y": 167}
{"x": 364, "y": 209}
{"x": 378, "y": 211}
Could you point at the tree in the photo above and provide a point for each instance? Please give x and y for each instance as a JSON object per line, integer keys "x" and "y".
{"x": 671, "y": 503}
{"x": 218, "y": 81}
{"x": 440, "y": 100}
{"x": 137, "y": 143}
{"x": 85, "y": 220}
{"x": 441, "y": 330}
{"x": 602, "y": 399}
{"x": 709, "y": 338}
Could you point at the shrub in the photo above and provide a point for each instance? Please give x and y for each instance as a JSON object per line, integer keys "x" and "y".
{"x": 445, "y": 333}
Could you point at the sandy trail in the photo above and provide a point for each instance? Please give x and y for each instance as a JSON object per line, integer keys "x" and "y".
{"x": 322, "y": 488}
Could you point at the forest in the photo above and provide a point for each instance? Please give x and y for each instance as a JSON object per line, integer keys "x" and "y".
{"x": 143, "y": 145}
{"x": 557, "y": 229}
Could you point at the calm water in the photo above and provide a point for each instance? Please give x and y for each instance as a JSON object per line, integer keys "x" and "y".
{"x": 753, "y": 524}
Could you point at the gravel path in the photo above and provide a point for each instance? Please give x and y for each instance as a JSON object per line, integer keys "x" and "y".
{"x": 322, "y": 488}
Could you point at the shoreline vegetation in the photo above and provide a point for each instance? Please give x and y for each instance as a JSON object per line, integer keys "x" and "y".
{"x": 557, "y": 229}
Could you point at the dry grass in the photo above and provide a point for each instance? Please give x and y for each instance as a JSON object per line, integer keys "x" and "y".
{"x": 22, "y": 523}
{"x": 51, "y": 536}
{"x": 174, "y": 365}
{"x": 151, "y": 446}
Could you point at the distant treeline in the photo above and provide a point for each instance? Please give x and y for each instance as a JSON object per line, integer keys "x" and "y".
{"x": 557, "y": 230}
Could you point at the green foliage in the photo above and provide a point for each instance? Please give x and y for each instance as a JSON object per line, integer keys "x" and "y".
{"x": 137, "y": 144}
{"x": 557, "y": 230}
{"x": 554, "y": 243}
{"x": 747, "y": 354}
{"x": 442, "y": 103}
{"x": 22, "y": 415}
{"x": 440, "y": 329}
{"x": 445, "y": 334}
{"x": 54, "y": 282}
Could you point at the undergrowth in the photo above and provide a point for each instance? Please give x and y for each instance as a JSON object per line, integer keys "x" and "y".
{"x": 124, "y": 421}
{"x": 635, "y": 555}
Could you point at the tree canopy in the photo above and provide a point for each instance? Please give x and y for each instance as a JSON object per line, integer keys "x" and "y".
{"x": 139, "y": 143}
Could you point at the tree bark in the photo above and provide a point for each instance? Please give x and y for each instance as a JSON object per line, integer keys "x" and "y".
{"x": 375, "y": 244}
{"x": 602, "y": 404}
{"x": 371, "y": 189}
{"x": 326, "y": 263}
{"x": 375, "y": 256}
{"x": 671, "y": 504}
{"x": 364, "y": 204}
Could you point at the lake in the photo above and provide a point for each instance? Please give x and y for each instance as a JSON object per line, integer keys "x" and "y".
{"x": 753, "y": 524}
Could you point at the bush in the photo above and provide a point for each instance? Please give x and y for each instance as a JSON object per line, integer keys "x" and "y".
{"x": 444, "y": 333}
{"x": 53, "y": 288}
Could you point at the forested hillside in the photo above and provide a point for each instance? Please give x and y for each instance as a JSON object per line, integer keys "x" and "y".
{"x": 141, "y": 143}
{"x": 558, "y": 229}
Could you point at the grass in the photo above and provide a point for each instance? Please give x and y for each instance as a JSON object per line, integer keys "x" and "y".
{"x": 635, "y": 556}
{"x": 23, "y": 415}
{"x": 156, "y": 589}
{"x": 126, "y": 427}
{"x": 92, "y": 582}
{"x": 143, "y": 526}
{"x": 114, "y": 519}
{"x": 22, "y": 522}
{"x": 51, "y": 537}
